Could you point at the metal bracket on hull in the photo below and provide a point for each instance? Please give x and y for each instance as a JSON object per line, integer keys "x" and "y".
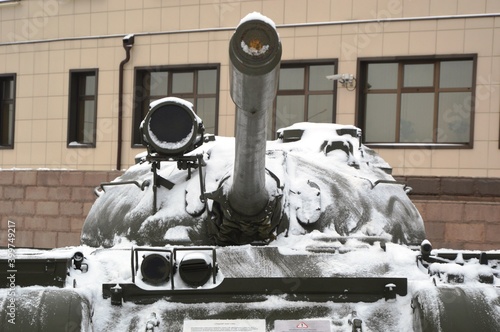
{"x": 334, "y": 289}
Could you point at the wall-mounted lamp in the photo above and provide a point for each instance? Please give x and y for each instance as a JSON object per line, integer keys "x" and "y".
{"x": 348, "y": 81}
{"x": 128, "y": 40}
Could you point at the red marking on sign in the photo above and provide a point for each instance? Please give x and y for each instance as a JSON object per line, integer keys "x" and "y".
{"x": 302, "y": 325}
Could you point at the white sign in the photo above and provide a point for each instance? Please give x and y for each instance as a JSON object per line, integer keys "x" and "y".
{"x": 225, "y": 325}
{"x": 308, "y": 325}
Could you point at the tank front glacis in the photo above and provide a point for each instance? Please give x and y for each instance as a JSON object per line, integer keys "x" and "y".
{"x": 344, "y": 281}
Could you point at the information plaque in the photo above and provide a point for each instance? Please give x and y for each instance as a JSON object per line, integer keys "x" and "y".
{"x": 223, "y": 325}
{"x": 312, "y": 325}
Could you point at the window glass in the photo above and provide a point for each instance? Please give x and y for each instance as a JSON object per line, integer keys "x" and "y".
{"x": 205, "y": 109}
{"x": 207, "y": 80}
{"x": 456, "y": 74}
{"x": 6, "y": 123}
{"x": 381, "y": 118}
{"x": 431, "y": 103}
{"x": 382, "y": 76}
{"x": 7, "y": 102}
{"x": 88, "y": 124}
{"x": 304, "y": 94}
{"x": 454, "y": 117}
{"x": 89, "y": 111}
{"x": 417, "y": 116}
{"x": 317, "y": 77}
{"x": 320, "y": 108}
{"x": 7, "y": 88}
{"x": 153, "y": 100}
{"x": 418, "y": 75}
{"x": 291, "y": 79}
{"x": 10, "y": 85}
{"x": 83, "y": 107}
{"x": 10, "y": 129}
{"x": 289, "y": 110}
{"x": 159, "y": 83}
{"x": 89, "y": 85}
{"x": 182, "y": 83}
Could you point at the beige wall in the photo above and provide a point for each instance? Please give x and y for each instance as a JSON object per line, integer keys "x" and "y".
{"x": 190, "y": 34}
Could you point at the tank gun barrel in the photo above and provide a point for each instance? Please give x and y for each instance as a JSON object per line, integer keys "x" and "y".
{"x": 255, "y": 54}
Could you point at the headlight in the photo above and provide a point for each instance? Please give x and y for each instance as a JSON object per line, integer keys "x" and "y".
{"x": 155, "y": 269}
{"x": 196, "y": 269}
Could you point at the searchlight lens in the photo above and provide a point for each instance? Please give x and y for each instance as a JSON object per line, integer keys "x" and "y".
{"x": 171, "y": 127}
{"x": 171, "y": 123}
{"x": 155, "y": 269}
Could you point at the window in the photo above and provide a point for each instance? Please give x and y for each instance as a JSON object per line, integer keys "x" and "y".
{"x": 82, "y": 108}
{"x": 304, "y": 94}
{"x": 419, "y": 101}
{"x": 7, "y": 108}
{"x": 197, "y": 84}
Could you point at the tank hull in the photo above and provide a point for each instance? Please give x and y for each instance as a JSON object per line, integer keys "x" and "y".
{"x": 332, "y": 285}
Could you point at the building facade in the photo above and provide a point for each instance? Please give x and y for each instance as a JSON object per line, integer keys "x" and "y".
{"x": 420, "y": 78}
{"x": 425, "y": 89}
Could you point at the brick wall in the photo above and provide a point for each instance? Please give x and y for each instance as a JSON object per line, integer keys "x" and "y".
{"x": 459, "y": 213}
{"x": 49, "y": 207}
{"x": 461, "y": 224}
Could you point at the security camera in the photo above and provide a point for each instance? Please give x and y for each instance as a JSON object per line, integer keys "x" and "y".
{"x": 341, "y": 77}
{"x": 348, "y": 81}
{"x": 334, "y": 77}
{"x": 128, "y": 40}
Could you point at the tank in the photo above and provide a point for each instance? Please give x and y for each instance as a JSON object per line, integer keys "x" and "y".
{"x": 308, "y": 232}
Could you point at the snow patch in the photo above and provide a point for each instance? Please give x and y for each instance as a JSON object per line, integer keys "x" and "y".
{"x": 257, "y": 16}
